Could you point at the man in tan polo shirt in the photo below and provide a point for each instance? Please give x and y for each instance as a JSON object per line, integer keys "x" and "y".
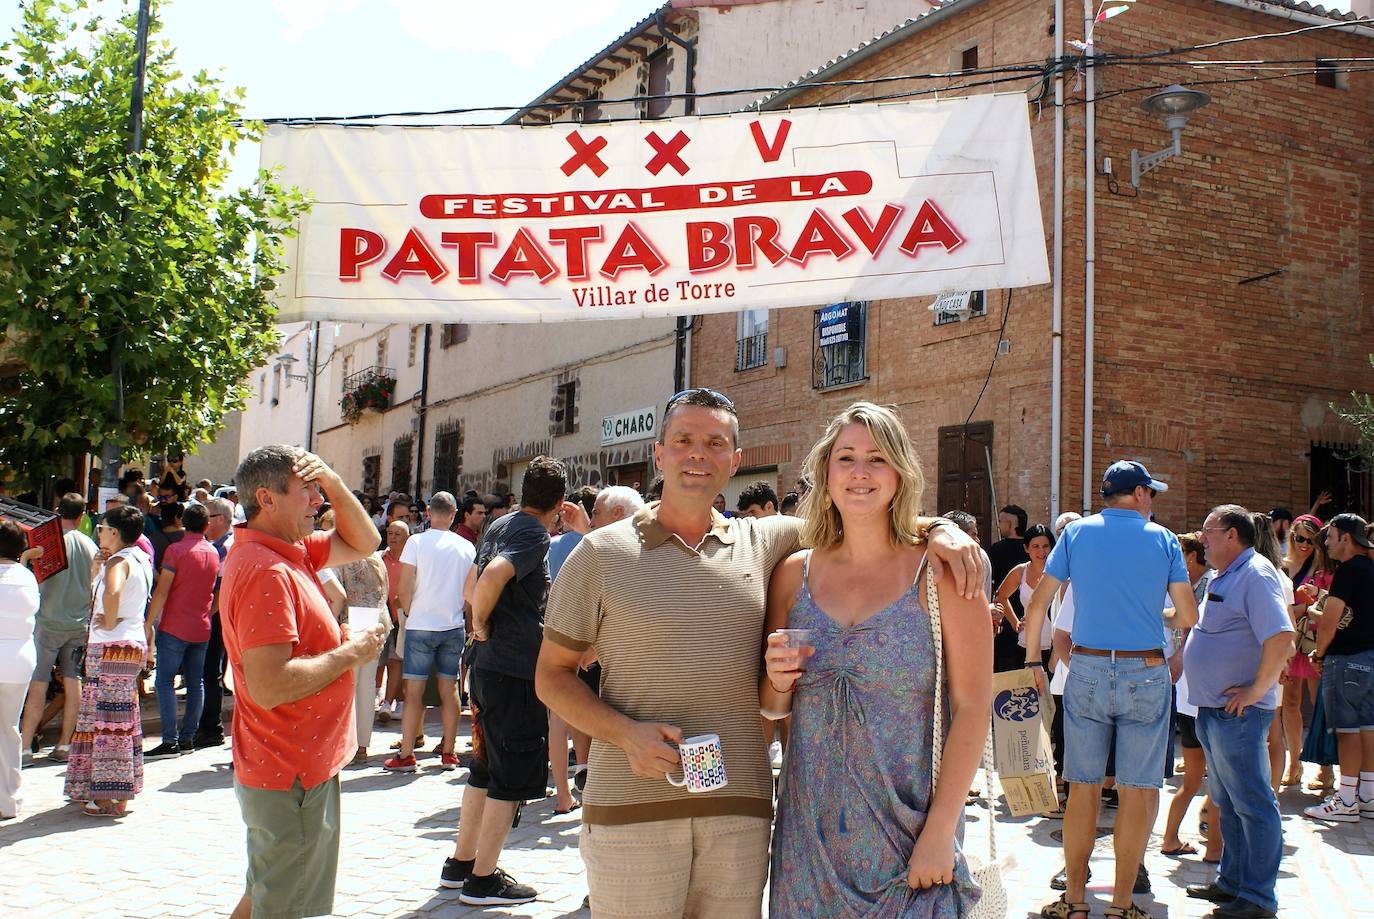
{"x": 673, "y": 599}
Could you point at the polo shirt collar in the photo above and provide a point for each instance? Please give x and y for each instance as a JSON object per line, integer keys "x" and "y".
{"x": 652, "y": 533}
{"x": 1120, "y": 512}
{"x": 292, "y": 551}
{"x": 1237, "y": 563}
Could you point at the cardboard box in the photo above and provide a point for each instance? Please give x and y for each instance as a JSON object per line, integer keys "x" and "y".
{"x": 1022, "y": 755}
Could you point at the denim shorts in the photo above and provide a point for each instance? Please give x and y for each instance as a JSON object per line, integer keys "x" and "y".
{"x": 424, "y": 651}
{"x": 1125, "y": 701}
{"x": 1348, "y": 692}
{"x": 63, "y": 649}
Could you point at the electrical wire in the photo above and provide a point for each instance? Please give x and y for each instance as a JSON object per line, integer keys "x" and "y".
{"x": 1042, "y": 70}
{"x": 1006, "y": 311}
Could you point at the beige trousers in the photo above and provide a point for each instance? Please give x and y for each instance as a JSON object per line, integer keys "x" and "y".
{"x": 689, "y": 868}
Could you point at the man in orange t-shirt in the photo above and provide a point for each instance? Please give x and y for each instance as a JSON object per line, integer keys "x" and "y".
{"x": 293, "y": 669}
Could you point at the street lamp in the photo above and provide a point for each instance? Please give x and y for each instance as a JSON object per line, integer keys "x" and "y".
{"x": 286, "y": 363}
{"x": 1175, "y": 104}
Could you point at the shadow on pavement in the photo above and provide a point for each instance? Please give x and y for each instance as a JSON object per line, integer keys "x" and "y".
{"x": 220, "y": 775}
{"x": 66, "y": 819}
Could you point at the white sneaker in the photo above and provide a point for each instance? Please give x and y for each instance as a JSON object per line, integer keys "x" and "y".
{"x": 1366, "y": 807}
{"x": 1335, "y": 810}
{"x": 775, "y": 756}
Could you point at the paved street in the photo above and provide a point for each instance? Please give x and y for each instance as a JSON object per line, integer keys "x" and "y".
{"x": 180, "y": 851}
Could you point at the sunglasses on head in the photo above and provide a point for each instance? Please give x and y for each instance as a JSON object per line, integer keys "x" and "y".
{"x": 677, "y": 397}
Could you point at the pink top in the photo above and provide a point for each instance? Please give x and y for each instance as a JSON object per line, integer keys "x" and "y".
{"x": 186, "y": 614}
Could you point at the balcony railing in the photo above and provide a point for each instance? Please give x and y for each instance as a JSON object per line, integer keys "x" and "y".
{"x": 752, "y": 351}
{"x": 369, "y": 388}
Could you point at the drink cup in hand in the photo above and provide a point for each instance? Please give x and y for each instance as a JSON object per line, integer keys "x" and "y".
{"x": 796, "y": 638}
{"x": 786, "y": 656}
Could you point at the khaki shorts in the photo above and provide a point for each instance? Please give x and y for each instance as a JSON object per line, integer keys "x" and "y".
{"x": 293, "y": 849}
{"x": 689, "y": 868}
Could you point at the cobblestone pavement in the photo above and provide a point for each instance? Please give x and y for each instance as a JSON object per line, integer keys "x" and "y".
{"x": 180, "y": 851}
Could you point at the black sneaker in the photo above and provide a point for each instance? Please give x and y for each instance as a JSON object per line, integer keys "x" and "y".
{"x": 455, "y": 873}
{"x": 162, "y": 750}
{"x": 202, "y": 741}
{"x": 495, "y": 889}
{"x": 1142, "y": 880}
{"x": 1110, "y": 797}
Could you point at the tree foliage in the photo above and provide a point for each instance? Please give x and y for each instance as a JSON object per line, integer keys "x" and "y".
{"x": 1360, "y": 415}
{"x": 95, "y": 243}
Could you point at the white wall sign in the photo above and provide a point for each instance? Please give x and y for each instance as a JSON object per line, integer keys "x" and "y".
{"x": 660, "y": 218}
{"x": 640, "y": 424}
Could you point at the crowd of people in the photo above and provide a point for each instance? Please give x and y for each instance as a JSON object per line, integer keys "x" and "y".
{"x": 628, "y": 651}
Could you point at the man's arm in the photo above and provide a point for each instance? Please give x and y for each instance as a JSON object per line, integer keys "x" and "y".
{"x": 487, "y": 591}
{"x": 1274, "y": 654}
{"x": 354, "y": 535}
{"x": 1327, "y": 623}
{"x": 272, "y": 677}
{"x": 645, "y": 743}
{"x": 1185, "y": 606}
{"x": 405, "y": 591}
{"x": 949, "y": 545}
{"x": 1034, "y": 621}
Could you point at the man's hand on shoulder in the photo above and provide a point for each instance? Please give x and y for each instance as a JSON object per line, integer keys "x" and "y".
{"x": 949, "y": 545}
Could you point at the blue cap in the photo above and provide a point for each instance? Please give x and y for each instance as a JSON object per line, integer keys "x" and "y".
{"x": 1125, "y": 475}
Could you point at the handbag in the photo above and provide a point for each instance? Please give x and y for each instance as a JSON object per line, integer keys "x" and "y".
{"x": 1307, "y": 626}
{"x": 993, "y": 904}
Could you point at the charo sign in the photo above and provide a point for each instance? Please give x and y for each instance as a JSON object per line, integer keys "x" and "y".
{"x": 687, "y": 215}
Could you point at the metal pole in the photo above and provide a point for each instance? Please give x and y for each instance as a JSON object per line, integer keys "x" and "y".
{"x": 109, "y": 472}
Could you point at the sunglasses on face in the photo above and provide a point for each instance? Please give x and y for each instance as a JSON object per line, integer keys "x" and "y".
{"x": 1303, "y": 540}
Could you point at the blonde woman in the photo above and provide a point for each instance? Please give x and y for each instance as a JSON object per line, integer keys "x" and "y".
{"x": 861, "y": 832}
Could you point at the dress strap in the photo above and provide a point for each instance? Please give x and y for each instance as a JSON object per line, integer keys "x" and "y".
{"x": 806, "y": 570}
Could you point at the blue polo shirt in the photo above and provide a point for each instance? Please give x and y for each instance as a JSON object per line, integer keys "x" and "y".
{"x": 1245, "y": 606}
{"x": 1121, "y": 565}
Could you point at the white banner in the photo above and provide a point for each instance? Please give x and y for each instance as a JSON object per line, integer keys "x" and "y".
{"x": 660, "y": 218}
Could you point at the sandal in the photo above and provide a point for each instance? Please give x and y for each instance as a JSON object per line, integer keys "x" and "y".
{"x": 1186, "y": 849}
{"x": 574, "y": 807}
{"x": 91, "y": 809}
{"x": 1063, "y": 909}
{"x": 1128, "y": 912}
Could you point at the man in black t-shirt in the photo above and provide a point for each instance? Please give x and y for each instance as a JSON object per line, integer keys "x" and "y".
{"x": 507, "y": 590}
{"x": 1345, "y": 654}
{"x": 1004, "y": 555}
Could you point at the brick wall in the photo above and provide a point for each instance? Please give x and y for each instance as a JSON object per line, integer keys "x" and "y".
{"x": 1216, "y": 385}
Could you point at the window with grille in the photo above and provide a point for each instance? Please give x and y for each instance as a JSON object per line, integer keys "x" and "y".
{"x": 413, "y": 345}
{"x": 454, "y": 333}
{"x": 840, "y": 339}
{"x": 751, "y": 340}
{"x": 448, "y": 456}
{"x": 402, "y": 457}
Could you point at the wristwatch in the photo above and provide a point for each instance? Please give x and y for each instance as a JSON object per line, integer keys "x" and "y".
{"x": 1039, "y": 665}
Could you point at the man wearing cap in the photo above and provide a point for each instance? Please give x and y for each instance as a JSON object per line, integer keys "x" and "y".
{"x": 1120, "y": 565}
{"x": 1345, "y": 654}
{"x": 1233, "y": 660}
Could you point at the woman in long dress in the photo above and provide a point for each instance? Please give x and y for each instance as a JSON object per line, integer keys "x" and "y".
{"x": 105, "y": 770}
{"x": 861, "y": 832}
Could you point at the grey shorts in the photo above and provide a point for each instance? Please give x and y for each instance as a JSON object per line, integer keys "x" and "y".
{"x": 293, "y": 849}
{"x": 64, "y": 649}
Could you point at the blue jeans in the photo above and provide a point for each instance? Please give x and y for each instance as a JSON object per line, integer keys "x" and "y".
{"x": 1125, "y": 700}
{"x": 172, "y": 655}
{"x": 1238, "y": 773}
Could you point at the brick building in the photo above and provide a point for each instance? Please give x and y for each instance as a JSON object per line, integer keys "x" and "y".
{"x": 1232, "y": 289}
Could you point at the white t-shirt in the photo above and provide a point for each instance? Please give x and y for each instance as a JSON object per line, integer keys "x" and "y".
{"x": 133, "y": 601}
{"x": 1063, "y": 622}
{"x": 442, "y": 559}
{"x": 18, "y": 612}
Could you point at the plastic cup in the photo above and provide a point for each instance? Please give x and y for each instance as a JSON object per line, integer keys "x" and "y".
{"x": 796, "y": 638}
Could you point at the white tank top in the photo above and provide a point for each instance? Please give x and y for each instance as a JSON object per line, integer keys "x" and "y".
{"x": 133, "y": 601}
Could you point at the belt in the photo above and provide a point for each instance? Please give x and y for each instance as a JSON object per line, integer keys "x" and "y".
{"x": 1150, "y": 655}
